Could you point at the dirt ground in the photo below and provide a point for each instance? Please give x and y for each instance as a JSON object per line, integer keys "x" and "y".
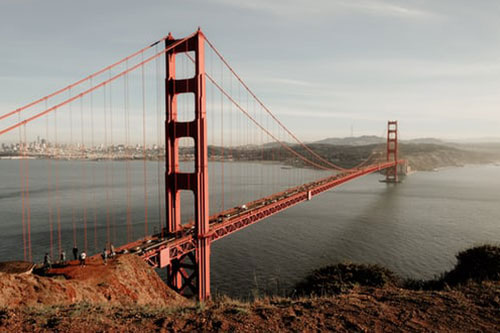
{"x": 125, "y": 280}
{"x": 128, "y": 296}
{"x": 475, "y": 308}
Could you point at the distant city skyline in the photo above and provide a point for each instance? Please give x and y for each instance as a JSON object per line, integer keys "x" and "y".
{"x": 323, "y": 67}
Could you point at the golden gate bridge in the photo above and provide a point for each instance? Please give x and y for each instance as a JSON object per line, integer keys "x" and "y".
{"x": 182, "y": 99}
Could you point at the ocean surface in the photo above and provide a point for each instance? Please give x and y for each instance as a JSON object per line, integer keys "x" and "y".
{"x": 414, "y": 228}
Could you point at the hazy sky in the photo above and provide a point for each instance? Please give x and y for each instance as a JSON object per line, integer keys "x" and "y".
{"x": 322, "y": 66}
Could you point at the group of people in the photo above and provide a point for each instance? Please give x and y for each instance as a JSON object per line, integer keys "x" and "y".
{"x": 47, "y": 261}
{"x": 105, "y": 255}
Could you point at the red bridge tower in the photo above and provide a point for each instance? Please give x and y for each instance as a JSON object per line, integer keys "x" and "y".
{"x": 192, "y": 271}
{"x": 392, "y": 151}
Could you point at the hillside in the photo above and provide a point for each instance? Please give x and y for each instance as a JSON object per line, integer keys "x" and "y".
{"x": 369, "y": 298}
{"x": 365, "y": 140}
{"x": 427, "y": 157}
{"x": 470, "y": 309}
{"x": 125, "y": 280}
{"x": 352, "y": 141}
{"x": 422, "y": 156}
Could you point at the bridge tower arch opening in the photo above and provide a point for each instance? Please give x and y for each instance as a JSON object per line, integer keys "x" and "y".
{"x": 189, "y": 274}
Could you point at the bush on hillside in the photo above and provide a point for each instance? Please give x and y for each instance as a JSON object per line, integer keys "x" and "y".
{"x": 478, "y": 264}
{"x": 341, "y": 278}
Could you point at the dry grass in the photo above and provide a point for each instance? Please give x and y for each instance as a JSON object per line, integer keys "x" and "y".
{"x": 373, "y": 302}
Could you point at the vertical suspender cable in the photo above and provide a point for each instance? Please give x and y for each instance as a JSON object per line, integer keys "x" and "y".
{"x": 222, "y": 137}
{"x": 211, "y": 117}
{"x": 71, "y": 147}
{"x": 27, "y": 197}
{"x": 262, "y": 181}
{"x": 144, "y": 150}
{"x": 92, "y": 147}
{"x": 23, "y": 189}
{"x": 112, "y": 145}
{"x": 22, "y": 186}
{"x": 106, "y": 168}
{"x": 158, "y": 138}
{"x": 84, "y": 181}
{"x": 127, "y": 149}
{"x": 230, "y": 155}
{"x": 49, "y": 184}
{"x": 56, "y": 165}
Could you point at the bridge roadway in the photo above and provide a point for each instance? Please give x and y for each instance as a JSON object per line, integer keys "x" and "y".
{"x": 159, "y": 251}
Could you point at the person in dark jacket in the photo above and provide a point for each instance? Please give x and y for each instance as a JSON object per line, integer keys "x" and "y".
{"x": 104, "y": 256}
{"x": 47, "y": 263}
{"x": 63, "y": 257}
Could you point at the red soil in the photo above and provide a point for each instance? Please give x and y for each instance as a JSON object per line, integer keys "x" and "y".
{"x": 473, "y": 308}
{"x": 125, "y": 280}
{"x": 126, "y": 295}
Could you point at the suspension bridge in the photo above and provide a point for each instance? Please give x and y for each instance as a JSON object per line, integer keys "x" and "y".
{"x": 118, "y": 151}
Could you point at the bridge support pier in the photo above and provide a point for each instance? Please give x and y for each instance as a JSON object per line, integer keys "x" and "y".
{"x": 192, "y": 271}
{"x": 392, "y": 151}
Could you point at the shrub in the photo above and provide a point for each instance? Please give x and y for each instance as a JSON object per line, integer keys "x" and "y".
{"x": 341, "y": 278}
{"x": 479, "y": 264}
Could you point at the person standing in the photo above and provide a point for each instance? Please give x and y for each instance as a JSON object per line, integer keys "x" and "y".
{"x": 83, "y": 256}
{"x": 46, "y": 261}
{"x": 75, "y": 252}
{"x": 104, "y": 256}
{"x": 63, "y": 257}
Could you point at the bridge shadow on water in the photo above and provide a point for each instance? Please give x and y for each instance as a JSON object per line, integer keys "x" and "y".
{"x": 368, "y": 236}
{"x": 340, "y": 225}
{"x": 392, "y": 231}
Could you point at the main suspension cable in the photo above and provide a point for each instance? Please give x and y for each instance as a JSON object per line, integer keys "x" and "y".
{"x": 221, "y": 57}
{"x": 77, "y": 83}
